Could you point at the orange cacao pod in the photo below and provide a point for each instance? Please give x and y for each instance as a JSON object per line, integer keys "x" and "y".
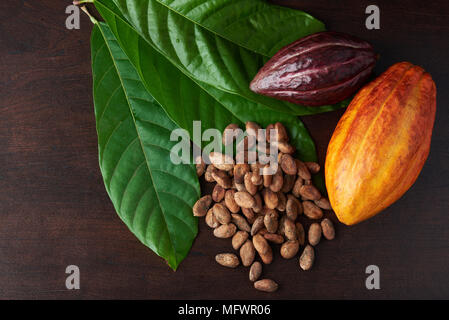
{"x": 381, "y": 143}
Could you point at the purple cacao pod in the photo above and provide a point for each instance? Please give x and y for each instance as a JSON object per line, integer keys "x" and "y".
{"x": 323, "y": 68}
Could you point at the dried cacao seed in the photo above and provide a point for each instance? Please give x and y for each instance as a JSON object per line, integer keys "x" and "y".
{"x": 307, "y": 258}
{"x": 288, "y": 164}
{"x": 218, "y": 193}
{"x": 303, "y": 171}
{"x": 266, "y": 285}
{"x": 239, "y": 238}
{"x": 221, "y": 213}
{"x": 309, "y": 192}
{"x": 323, "y": 203}
{"x": 314, "y": 234}
{"x": 257, "y": 225}
{"x": 267, "y": 258}
{"x": 230, "y": 201}
{"x": 289, "y": 229}
{"x": 221, "y": 161}
{"x": 255, "y": 271}
{"x": 225, "y": 230}
{"x": 210, "y": 219}
{"x": 297, "y": 186}
{"x": 229, "y": 260}
{"x": 244, "y": 199}
{"x": 222, "y": 178}
{"x": 249, "y": 186}
{"x": 258, "y": 206}
{"x": 270, "y": 198}
{"x": 240, "y": 170}
{"x": 289, "y": 249}
{"x": 271, "y": 221}
{"x": 328, "y": 229}
{"x": 260, "y": 244}
{"x": 313, "y": 167}
{"x": 249, "y": 214}
{"x": 300, "y": 234}
{"x": 273, "y": 237}
{"x": 201, "y": 206}
{"x": 240, "y": 222}
{"x": 247, "y": 253}
{"x": 311, "y": 210}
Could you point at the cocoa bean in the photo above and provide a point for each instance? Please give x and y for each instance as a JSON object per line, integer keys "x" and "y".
{"x": 255, "y": 271}
{"x": 270, "y": 198}
{"x": 239, "y": 172}
{"x": 221, "y": 161}
{"x": 289, "y": 181}
{"x": 289, "y": 249}
{"x": 201, "y": 206}
{"x": 289, "y": 229}
{"x": 291, "y": 208}
{"x": 313, "y": 167}
{"x": 297, "y": 186}
{"x": 218, "y": 193}
{"x": 200, "y": 166}
{"x": 230, "y": 201}
{"x": 210, "y": 219}
{"x": 239, "y": 238}
{"x": 257, "y": 225}
{"x": 240, "y": 222}
{"x": 208, "y": 174}
{"x": 225, "y": 230}
{"x": 309, "y": 192}
{"x": 288, "y": 164}
{"x": 328, "y": 229}
{"x": 277, "y": 181}
{"x": 267, "y": 258}
{"x": 303, "y": 171}
{"x": 282, "y": 203}
{"x": 222, "y": 178}
{"x": 300, "y": 234}
{"x": 273, "y": 237}
{"x": 307, "y": 258}
{"x": 266, "y": 285}
{"x": 221, "y": 213}
{"x": 260, "y": 244}
{"x": 258, "y": 206}
{"x": 311, "y": 210}
{"x": 249, "y": 215}
{"x": 249, "y": 186}
{"x": 323, "y": 203}
{"x": 247, "y": 253}
{"x": 271, "y": 221}
{"x": 244, "y": 199}
{"x": 229, "y": 260}
{"x": 314, "y": 234}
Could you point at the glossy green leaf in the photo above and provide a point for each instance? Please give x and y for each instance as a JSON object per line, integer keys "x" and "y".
{"x": 187, "y": 100}
{"x": 192, "y": 35}
{"x": 151, "y": 195}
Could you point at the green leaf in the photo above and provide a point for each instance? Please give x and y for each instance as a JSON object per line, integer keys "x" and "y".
{"x": 192, "y": 35}
{"x": 186, "y": 100}
{"x": 151, "y": 195}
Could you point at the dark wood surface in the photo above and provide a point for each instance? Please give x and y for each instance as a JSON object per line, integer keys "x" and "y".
{"x": 54, "y": 210}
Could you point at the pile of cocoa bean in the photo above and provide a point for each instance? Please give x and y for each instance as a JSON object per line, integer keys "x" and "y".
{"x": 255, "y": 207}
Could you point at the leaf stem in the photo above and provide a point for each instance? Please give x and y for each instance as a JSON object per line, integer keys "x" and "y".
{"x": 94, "y": 21}
{"x": 78, "y": 2}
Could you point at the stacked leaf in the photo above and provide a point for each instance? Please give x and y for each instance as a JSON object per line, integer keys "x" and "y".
{"x": 160, "y": 65}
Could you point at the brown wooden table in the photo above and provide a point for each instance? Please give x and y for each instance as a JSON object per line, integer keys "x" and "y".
{"x": 54, "y": 210}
